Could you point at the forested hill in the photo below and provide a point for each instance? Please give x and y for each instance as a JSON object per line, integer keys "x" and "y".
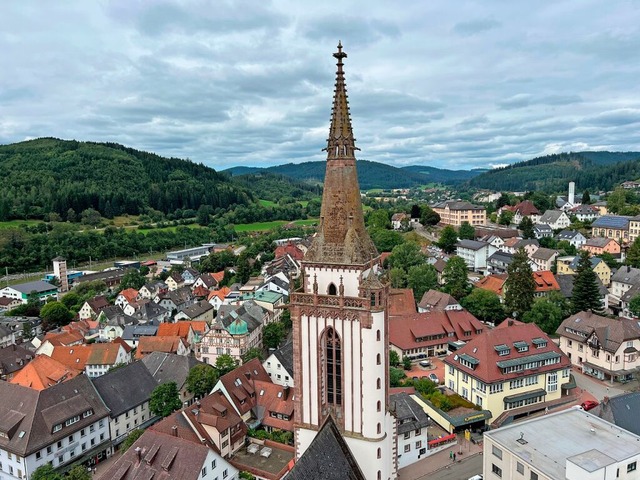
{"x": 67, "y": 177}
{"x": 370, "y": 174}
{"x": 592, "y": 171}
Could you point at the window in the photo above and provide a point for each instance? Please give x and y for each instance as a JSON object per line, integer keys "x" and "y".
{"x": 496, "y": 470}
{"x": 419, "y": 445}
{"x": 534, "y": 476}
{"x": 57, "y": 428}
{"x": 407, "y": 448}
{"x": 88, "y": 413}
{"x": 465, "y": 378}
{"x": 49, "y": 450}
{"x": 451, "y": 369}
{"x": 378, "y": 384}
{"x": 83, "y": 432}
{"x": 204, "y": 472}
{"x": 378, "y": 335}
{"x": 379, "y": 429}
{"x": 70, "y": 438}
{"x": 379, "y": 453}
{"x": 213, "y": 464}
{"x": 332, "y": 366}
{"x": 84, "y": 446}
{"x": 631, "y": 467}
{"x": 61, "y": 459}
{"x": 496, "y": 452}
{"x": 553, "y": 382}
{"x": 225, "y": 473}
{"x": 378, "y": 359}
{"x": 417, "y": 432}
{"x": 379, "y": 406}
{"x": 407, "y": 435}
{"x": 73, "y": 420}
{"x": 59, "y": 445}
{"x": 520, "y": 468}
{"x": 38, "y": 455}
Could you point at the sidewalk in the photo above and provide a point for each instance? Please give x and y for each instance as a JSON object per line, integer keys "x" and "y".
{"x": 439, "y": 460}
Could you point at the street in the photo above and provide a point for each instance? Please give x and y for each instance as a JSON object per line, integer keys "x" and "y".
{"x": 458, "y": 471}
{"x": 595, "y": 387}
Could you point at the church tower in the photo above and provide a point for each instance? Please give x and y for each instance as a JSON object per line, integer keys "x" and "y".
{"x": 340, "y": 321}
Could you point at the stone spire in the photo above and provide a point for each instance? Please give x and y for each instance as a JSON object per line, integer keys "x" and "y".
{"x": 342, "y": 237}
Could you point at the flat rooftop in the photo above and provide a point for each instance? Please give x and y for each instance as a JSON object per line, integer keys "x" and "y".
{"x": 274, "y": 464}
{"x": 574, "y": 435}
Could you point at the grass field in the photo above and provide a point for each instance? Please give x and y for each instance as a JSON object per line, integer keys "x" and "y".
{"x": 168, "y": 229}
{"x": 267, "y": 203}
{"x": 264, "y": 226}
{"x": 17, "y": 223}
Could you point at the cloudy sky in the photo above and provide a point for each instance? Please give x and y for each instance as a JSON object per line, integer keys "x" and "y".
{"x": 455, "y": 85}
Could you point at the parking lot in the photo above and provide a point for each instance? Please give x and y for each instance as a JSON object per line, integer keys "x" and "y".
{"x": 436, "y": 366}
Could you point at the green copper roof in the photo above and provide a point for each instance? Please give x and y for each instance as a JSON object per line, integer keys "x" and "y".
{"x": 239, "y": 327}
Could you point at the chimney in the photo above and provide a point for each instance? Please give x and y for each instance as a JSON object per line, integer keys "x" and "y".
{"x": 138, "y": 455}
{"x": 285, "y": 392}
{"x": 510, "y": 322}
{"x": 174, "y": 430}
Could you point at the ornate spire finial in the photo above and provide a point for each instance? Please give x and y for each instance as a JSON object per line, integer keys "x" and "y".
{"x": 340, "y": 143}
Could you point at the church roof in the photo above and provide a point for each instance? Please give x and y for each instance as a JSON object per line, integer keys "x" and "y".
{"x": 342, "y": 237}
{"x": 327, "y": 458}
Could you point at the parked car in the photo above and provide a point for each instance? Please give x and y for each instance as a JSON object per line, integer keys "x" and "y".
{"x": 425, "y": 363}
{"x": 434, "y": 378}
{"x": 589, "y": 404}
{"x": 476, "y": 477}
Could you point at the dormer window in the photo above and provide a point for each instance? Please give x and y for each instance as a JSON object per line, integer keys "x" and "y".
{"x": 57, "y": 428}
{"x": 72, "y": 420}
{"x": 88, "y": 413}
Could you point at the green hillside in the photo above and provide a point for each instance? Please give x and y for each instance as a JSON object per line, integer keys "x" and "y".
{"x": 370, "y": 174}
{"x": 590, "y": 170}
{"x": 67, "y": 177}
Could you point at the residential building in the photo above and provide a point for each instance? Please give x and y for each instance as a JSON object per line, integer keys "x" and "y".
{"x": 126, "y": 392}
{"x": 530, "y": 245}
{"x": 39, "y": 289}
{"x": 174, "y": 281}
{"x": 556, "y": 219}
{"x": 189, "y": 275}
{"x": 570, "y": 444}
{"x": 433, "y": 301}
{"x": 456, "y": 213}
{"x": 149, "y": 312}
{"x": 92, "y": 307}
{"x": 149, "y": 290}
{"x": 44, "y": 372}
{"x": 169, "y": 367}
{"x": 176, "y": 300}
{"x": 602, "y": 347}
{"x": 611, "y": 226}
{"x": 621, "y": 410}
{"x": 132, "y": 333}
{"x": 584, "y": 213}
{"x": 175, "y": 344}
{"x": 634, "y": 228}
{"x": 545, "y": 282}
{"x": 429, "y": 334}
{"x": 289, "y": 249}
{"x": 474, "y": 253}
{"x": 526, "y": 208}
{"x": 7, "y": 303}
{"x": 574, "y": 237}
{"x": 94, "y": 359}
{"x": 236, "y": 330}
{"x": 270, "y": 301}
{"x": 217, "y": 298}
{"x": 61, "y": 425}
{"x": 544, "y": 258}
{"x": 542, "y": 230}
{"x": 201, "y": 311}
{"x": 622, "y": 281}
{"x": 598, "y": 265}
{"x": 494, "y": 283}
{"x": 510, "y": 370}
{"x": 13, "y": 358}
{"x": 399, "y": 220}
{"x": 499, "y": 262}
{"x": 126, "y": 300}
{"x": 600, "y": 245}
{"x": 158, "y": 455}
{"x": 7, "y": 336}
{"x": 278, "y": 283}
{"x": 412, "y": 437}
{"x": 279, "y": 365}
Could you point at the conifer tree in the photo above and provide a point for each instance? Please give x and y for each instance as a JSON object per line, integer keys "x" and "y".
{"x": 519, "y": 286}
{"x": 456, "y": 281}
{"x": 586, "y": 295}
{"x": 526, "y": 225}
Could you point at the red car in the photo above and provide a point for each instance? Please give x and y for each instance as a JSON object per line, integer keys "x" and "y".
{"x": 589, "y": 404}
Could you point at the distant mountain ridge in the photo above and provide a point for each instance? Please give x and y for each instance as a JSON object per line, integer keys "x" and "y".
{"x": 592, "y": 171}
{"x": 370, "y": 174}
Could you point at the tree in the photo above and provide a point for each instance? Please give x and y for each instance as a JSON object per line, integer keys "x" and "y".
{"x": 27, "y": 331}
{"x": 406, "y": 363}
{"x": 416, "y": 211}
{"x": 456, "y": 281}
{"x": 251, "y": 354}
{"x": 506, "y": 217}
{"x": 272, "y": 334}
{"x": 586, "y": 294}
{"x": 616, "y": 200}
{"x": 526, "y": 225}
{"x": 634, "y": 306}
{"x": 131, "y": 439}
{"x": 448, "y": 239}
{"x": 633, "y": 254}
{"x": 395, "y": 376}
{"x": 45, "y": 472}
{"x": 203, "y": 215}
{"x": 586, "y": 198}
{"x": 503, "y": 200}
{"x": 429, "y": 216}
{"x": 484, "y": 305}
{"x": 520, "y": 286}
{"x": 165, "y": 399}
{"x": 406, "y": 255}
{"x": 55, "y": 314}
{"x": 379, "y": 220}
{"x": 79, "y": 472}
{"x": 466, "y": 231}
{"x": 71, "y": 300}
{"x": 567, "y": 247}
{"x": 546, "y": 314}
{"x": 132, "y": 279}
{"x": 394, "y": 358}
{"x": 398, "y": 278}
{"x": 91, "y": 217}
{"x": 386, "y": 240}
{"x": 421, "y": 278}
{"x": 201, "y": 380}
{"x": 225, "y": 363}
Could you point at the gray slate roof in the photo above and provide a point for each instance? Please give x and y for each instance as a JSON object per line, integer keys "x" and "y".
{"x": 544, "y": 253}
{"x": 134, "y": 332}
{"x": 550, "y": 216}
{"x": 13, "y": 358}
{"x": 567, "y": 235}
{"x": 125, "y": 388}
{"x": 471, "y": 244}
{"x": 36, "y": 286}
{"x": 627, "y": 275}
{"x": 169, "y": 367}
{"x": 285, "y": 357}
{"x": 327, "y": 458}
{"x": 622, "y": 411}
{"x": 611, "y": 221}
{"x": 408, "y": 412}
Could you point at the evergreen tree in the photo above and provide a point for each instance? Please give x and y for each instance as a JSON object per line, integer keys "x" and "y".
{"x": 448, "y": 239}
{"x": 586, "y": 198}
{"x": 519, "y": 286}
{"x": 586, "y": 295}
{"x": 456, "y": 281}
{"x": 429, "y": 216}
{"x": 633, "y": 254}
{"x": 466, "y": 231}
{"x": 526, "y": 226}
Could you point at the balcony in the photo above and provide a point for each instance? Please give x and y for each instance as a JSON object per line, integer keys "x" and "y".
{"x": 329, "y": 301}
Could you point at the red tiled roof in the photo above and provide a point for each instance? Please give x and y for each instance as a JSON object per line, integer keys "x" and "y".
{"x": 178, "y": 329}
{"x": 494, "y": 283}
{"x": 129, "y": 294}
{"x": 293, "y": 251}
{"x": 403, "y": 331}
{"x": 221, "y": 294}
{"x": 201, "y": 291}
{"x": 64, "y": 338}
{"x": 79, "y": 356}
{"x": 158, "y": 344}
{"x": 240, "y": 382}
{"x": 43, "y": 372}
{"x": 277, "y": 399}
{"x": 218, "y": 276}
{"x": 526, "y": 207}
{"x": 401, "y": 302}
{"x": 507, "y": 333}
{"x": 545, "y": 281}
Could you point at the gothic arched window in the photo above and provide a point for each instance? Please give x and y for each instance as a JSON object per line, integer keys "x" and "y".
{"x": 332, "y": 350}
{"x": 332, "y": 289}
